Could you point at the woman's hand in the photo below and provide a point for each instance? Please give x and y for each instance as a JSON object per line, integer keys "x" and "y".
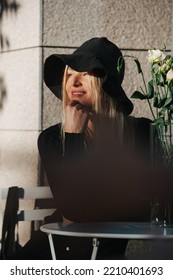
{"x": 77, "y": 117}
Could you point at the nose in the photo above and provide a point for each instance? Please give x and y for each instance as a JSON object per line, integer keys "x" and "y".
{"x": 77, "y": 81}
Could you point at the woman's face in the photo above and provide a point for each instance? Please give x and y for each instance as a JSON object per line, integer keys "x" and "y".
{"x": 78, "y": 87}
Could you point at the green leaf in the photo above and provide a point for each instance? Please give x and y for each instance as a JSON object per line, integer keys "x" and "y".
{"x": 162, "y": 112}
{"x": 156, "y": 102}
{"x": 138, "y": 65}
{"x": 162, "y": 102}
{"x": 150, "y": 89}
{"x": 171, "y": 86}
{"x": 120, "y": 63}
{"x": 164, "y": 79}
{"x": 159, "y": 121}
{"x": 138, "y": 95}
{"x": 157, "y": 76}
{"x": 168, "y": 101}
{"x": 167, "y": 122}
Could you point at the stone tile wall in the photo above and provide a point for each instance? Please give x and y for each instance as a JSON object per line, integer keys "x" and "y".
{"x": 134, "y": 25}
{"x": 20, "y": 96}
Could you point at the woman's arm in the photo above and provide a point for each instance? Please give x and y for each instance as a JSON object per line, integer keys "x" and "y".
{"x": 55, "y": 157}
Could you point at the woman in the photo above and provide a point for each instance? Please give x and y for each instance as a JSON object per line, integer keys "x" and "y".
{"x": 95, "y": 118}
{"x": 84, "y": 156}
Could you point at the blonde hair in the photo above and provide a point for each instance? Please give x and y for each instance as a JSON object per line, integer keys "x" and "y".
{"x": 103, "y": 104}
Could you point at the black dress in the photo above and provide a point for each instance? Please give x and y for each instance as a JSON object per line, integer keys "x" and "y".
{"x": 81, "y": 176}
{"x": 89, "y": 185}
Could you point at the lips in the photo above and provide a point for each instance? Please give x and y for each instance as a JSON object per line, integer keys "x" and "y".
{"x": 78, "y": 93}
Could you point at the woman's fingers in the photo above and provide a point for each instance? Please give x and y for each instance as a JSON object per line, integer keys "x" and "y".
{"x": 77, "y": 117}
{"x": 73, "y": 103}
{"x": 76, "y": 104}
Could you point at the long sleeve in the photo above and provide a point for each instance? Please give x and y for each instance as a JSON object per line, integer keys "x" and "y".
{"x": 54, "y": 156}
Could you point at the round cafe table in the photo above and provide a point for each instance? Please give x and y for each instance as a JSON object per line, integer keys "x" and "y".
{"x": 119, "y": 230}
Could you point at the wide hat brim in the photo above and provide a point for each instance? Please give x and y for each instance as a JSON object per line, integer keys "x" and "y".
{"x": 54, "y": 70}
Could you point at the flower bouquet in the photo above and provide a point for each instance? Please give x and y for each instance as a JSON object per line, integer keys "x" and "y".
{"x": 159, "y": 94}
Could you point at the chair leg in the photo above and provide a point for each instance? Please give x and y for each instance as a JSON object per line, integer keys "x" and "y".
{"x": 95, "y": 248}
{"x": 52, "y": 248}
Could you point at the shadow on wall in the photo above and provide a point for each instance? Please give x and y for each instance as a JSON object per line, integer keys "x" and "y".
{"x": 6, "y": 7}
{"x": 3, "y": 92}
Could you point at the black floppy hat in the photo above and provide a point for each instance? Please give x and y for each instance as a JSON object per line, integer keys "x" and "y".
{"x": 97, "y": 54}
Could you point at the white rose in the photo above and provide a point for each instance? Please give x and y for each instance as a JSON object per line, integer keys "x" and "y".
{"x": 155, "y": 56}
{"x": 169, "y": 75}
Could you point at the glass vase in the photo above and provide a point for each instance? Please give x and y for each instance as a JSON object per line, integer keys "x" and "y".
{"x": 161, "y": 213}
{"x": 161, "y": 145}
{"x": 161, "y": 150}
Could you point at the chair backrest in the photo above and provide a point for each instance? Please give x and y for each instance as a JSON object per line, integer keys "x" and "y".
{"x": 31, "y": 193}
{"x": 29, "y": 211}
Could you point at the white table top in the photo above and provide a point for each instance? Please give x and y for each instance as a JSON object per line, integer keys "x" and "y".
{"x": 127, "y": 230}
